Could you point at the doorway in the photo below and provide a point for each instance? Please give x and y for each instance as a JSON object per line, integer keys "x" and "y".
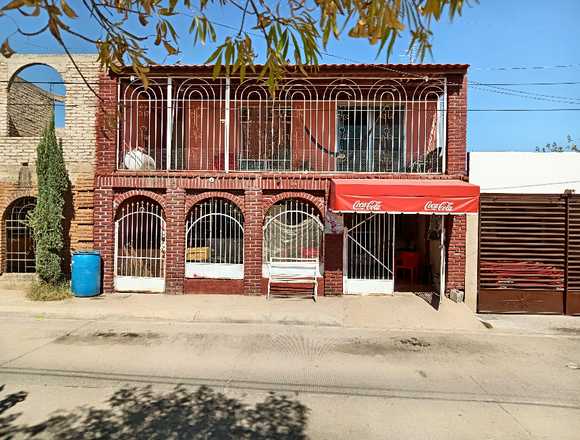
{"x": 420, "y": 256}
{"x": 369, "y": 253}
{"x": 140, "y": 247}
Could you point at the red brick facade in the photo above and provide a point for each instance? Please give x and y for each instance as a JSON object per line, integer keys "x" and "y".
{"x": 253, "y": 193}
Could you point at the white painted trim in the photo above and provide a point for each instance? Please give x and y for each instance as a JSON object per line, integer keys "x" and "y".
{"x": 139, "y": 284}
{"x": 443, "y": 265}
{"x": 365, "y": 287}
{"x": 295, "y": 268}
{"x": 214, "y": 270}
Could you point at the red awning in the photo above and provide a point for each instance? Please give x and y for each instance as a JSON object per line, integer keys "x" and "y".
{"x": 404, "y": 195}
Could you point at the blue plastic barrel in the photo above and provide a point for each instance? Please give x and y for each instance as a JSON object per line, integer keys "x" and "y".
{"x": 86, "y": 273}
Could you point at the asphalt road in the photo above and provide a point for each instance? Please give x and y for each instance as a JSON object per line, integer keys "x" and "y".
{"x": 343, "y": 383}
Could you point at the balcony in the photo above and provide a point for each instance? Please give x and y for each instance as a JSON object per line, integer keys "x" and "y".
{"x": 322, "y": 125}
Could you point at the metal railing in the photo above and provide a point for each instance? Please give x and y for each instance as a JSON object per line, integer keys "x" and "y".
{"x": 19, "y": 247}
{"x": 214, "y": 240}
{"x": 317, "y": 125}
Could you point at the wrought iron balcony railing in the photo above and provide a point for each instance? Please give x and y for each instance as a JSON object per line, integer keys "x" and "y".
{"x": 311, "y": 125}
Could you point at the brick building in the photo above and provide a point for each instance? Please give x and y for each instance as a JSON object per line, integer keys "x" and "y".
{"x": 25, "y": 109}
{"x": 205, "y": 185}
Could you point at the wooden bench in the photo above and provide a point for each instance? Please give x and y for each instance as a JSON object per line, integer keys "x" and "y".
{"x": 293, "y": 271}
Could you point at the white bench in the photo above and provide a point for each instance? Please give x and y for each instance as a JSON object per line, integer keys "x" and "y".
{"x": 293, "y": 271}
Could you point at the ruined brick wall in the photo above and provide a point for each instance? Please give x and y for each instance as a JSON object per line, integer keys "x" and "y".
{"x": 29, "y": 108}
{"x": 78, "y": 140}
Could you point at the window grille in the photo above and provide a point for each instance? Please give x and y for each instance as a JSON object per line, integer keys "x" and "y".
{"x": 214, "y": 240}
{"x": 140, "y": 243}
{"x": 143, "y": 126}
{"x": 293, "y": 230}
{"x": 20, "y": 256}
{"x": 320, "y": 124}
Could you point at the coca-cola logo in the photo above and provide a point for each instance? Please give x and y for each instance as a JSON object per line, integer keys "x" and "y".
{"x": 370, "y": 205}
{"x": 439, "y": 207}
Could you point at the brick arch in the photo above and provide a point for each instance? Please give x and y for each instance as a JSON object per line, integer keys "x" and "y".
{"x": 122, "y": 197}
{"x": 6, "y": 203}
{"x": 5, "y": 208}
{"x": 195, "y": 199}
{"x": 317, "y": 202}
{"x": 15, "y": 69}
{"x": 20, "y": 97}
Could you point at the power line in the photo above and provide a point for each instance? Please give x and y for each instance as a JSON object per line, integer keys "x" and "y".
{"x": 489, "y": 87}
{"x": 555, "y": 83}
{"x": 534, "y": 96}
{"x": 556, "y": 66}
{"x": 519, "y": 110}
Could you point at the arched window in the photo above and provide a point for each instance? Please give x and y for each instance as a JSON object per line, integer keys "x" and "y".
{"x": 20, "y": 256}
{"x": 140, "y": 246}
{"x": 35, "y": 92}
{"x": 293, "y": 231}
{"x": 215, "y": 240}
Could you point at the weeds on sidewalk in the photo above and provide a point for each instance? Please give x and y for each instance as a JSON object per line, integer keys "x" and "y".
{"x": 41, "y": 291}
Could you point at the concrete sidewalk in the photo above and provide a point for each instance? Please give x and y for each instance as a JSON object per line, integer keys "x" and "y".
{"x": 397, "y": 312}
{"x": 534, "y": 324}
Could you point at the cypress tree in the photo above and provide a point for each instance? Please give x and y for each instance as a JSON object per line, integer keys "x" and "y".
{"x": 47, "y": 218}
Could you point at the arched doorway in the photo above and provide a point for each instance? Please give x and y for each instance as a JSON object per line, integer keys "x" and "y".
{"x": 19, "y": 248}
{"x": 215, "y": 240}
{"x": 293, "y": 233}
{"x": 140, "y": 246}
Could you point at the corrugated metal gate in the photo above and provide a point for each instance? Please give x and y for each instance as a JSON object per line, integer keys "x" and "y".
{"x": 529, "y": 254}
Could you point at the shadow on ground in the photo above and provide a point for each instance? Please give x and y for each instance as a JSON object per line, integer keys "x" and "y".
{"x": 142, "y": 413}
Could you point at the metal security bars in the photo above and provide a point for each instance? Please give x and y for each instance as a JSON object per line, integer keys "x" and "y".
{"x": 293, "y": 231}
{"x": 370, "y": 253}
{"x": 140, "y": 246}
{"x": 20, "y": 257}
{"x": 215, "y": 240}
{"x": 143, "y": 135}
{"x": 319, "y": 125}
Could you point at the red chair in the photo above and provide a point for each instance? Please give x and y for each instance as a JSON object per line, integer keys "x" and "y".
{"x": 408, "y": 261}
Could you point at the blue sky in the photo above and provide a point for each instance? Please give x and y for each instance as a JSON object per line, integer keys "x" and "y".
{"x": 489, "y": 36}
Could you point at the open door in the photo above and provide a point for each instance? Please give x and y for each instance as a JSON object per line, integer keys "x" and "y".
{"x": 369, "y": 252}
{"x": 443, "y": 248}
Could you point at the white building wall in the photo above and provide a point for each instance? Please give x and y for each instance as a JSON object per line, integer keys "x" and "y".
{"x": 525, "y": 172}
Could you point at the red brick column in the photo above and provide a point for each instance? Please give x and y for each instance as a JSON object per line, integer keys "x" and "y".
{"x": 457, "y": 125}
{"x": 106, "y": 126}
{"x": 175, "y": 241}
{"x": 455, "y": 227}
{"x": 333, "y": 264}
{"x": 253, "y": 242}
{"x": 104, "y": 234}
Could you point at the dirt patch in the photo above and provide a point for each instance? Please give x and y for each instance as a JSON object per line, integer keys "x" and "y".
{"x": 414, "y": 342}
{"x": 361, "y": 347}
{"x": 109, "y": 337}
{"x": 567, "y": 330}
{"x": 486, "y": 324}
{"x": 422, "y": 374}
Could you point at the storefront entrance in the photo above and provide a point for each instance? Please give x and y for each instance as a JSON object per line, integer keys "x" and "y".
{"x": 394, "y": 231}
{"x": 369, "y": 253}
{"x": 420, "y": 253}
{"x": 384, "y": 253}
